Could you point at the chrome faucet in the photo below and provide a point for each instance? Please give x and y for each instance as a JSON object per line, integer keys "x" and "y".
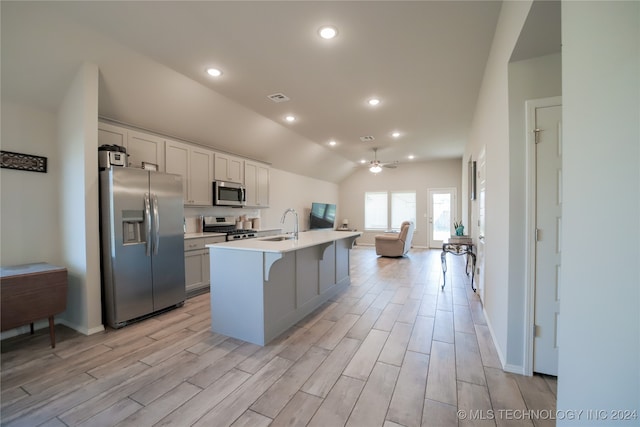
{"x": 295, "y": 229}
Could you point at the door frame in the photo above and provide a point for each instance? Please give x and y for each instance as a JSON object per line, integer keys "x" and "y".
{"x": 530, "y": 224}
{"x": 454, "y": 210}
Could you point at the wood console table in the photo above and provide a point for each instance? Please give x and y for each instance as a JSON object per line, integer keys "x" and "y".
{"x": 459, "y": 246}
{"x": 32, "y": 292}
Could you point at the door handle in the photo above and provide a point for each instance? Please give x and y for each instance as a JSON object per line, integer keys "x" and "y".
{"x": 147, "y": 220}
{"x": 156, "y": 224}
{"x": 481, "y": 238}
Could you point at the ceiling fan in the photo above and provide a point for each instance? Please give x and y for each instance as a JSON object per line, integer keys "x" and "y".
{"x": 375, "y": 165}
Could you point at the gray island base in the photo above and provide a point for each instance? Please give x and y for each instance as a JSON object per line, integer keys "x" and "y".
{"x": 262, "y": 287}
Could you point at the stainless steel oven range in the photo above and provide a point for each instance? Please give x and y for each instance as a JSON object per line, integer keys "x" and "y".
{"x": 227, "y": 225}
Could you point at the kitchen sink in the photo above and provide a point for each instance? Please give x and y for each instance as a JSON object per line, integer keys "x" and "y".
{"x": 277, "y": 239}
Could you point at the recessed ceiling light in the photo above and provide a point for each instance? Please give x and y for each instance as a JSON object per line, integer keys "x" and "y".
{"x": 290, "y": 118}
{"x": 411, "y": 157}
{"x": 363, "y": 161}
{"x": 328, "y": 32}
{"x": 373, "y": 102}
{"x": 332, "y": 143}
{"x": 214, "y": 72}
{"x": 395, "y": 134}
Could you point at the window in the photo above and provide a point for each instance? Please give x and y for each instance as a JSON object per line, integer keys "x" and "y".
{"x": 403, "y": 208}
{"x": 377, "y": 209}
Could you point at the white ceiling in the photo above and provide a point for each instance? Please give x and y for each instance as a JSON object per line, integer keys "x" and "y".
{"x": 423, "y": 59}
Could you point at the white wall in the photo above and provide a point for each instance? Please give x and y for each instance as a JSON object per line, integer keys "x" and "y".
{"x": 416, "y": 177}
{"x": 53, "y": 217}
{"x": 490, "y": 129}
{"x": 30, "y": 200}
{"x": 290, "y": 190}
{"x": 529, "y": 79}
{"x": 29, "y": 208}
{"x": 599, "y": 319}
{"x": 77, "y": 141}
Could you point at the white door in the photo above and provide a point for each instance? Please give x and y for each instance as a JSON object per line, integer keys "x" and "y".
{"x": 442, "y": 214}
{"x": 548, "y": 217}
{"x": 481, "y": 185}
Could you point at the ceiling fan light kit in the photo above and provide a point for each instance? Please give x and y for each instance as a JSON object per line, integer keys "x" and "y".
{"x": 375, "y": 165}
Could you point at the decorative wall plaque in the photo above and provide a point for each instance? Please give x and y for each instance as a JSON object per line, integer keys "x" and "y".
{"x": 24, "y": 162}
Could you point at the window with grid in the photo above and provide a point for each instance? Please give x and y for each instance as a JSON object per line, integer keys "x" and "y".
{"x": 379, "y": 208}
{"x": 375, "y": 211}
{"x": 403, "y": 208}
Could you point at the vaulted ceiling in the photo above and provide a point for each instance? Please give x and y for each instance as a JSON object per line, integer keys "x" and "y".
{"x": 424, "y": 61}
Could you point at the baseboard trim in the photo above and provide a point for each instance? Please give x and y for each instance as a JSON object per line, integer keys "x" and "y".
{"x": 495, "y": 341}
{"x": 44, "y": 324}
{"x": 82, "y": 329}
{"x": 515, "y": 369}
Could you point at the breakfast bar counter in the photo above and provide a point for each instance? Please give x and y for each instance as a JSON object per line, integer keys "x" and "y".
{"x": 261, "y": 287}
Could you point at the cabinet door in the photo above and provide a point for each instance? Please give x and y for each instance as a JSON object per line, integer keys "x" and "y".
{"x": 177, "y": 155}
{"x": 262, "y": 184}
{"x": 229, "y": 168}
{"x": 194, "y": 269}
{"x": 111, "y": 135}
{"x": 142, "y": 147}
{"x": 206, "y": 268}
{"x": 256, "y": 181}
{"x": 250, "y": 183}
{"x": 200, "y": 177}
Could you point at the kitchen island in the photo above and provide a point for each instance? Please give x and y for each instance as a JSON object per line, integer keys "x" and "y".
{"x": 261, "y": 287}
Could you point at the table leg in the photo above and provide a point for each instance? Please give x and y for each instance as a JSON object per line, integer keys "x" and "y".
{"x": 443, "y": 261}
{"x": 473, "y": 268}
{"x": 52, "y": 332}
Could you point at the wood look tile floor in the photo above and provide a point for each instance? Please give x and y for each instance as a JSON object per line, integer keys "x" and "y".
{"x": 392, "y": 350}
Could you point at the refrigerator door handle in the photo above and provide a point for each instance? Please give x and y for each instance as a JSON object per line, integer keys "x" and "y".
{"x": 147, "y": 220}
{"x": 156, "y": 224}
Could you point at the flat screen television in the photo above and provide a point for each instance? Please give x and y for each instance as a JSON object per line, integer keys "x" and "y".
{"x": 323, "y": 215}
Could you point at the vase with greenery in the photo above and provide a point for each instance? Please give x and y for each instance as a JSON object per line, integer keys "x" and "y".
{"x": 459, "y": 228}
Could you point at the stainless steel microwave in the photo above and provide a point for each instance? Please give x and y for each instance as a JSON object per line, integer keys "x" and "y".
{"x": 229, "y": 194}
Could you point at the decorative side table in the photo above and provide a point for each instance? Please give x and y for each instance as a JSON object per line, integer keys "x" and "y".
{"x": 32, "y": 292}
{"x": 459, "y": 246}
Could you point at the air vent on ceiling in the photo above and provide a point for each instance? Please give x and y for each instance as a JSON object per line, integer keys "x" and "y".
{"x": 366, "y": 138}
{"x": 278, "y": 97}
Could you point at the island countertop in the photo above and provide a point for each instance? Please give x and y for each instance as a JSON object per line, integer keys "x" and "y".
{"x": 267, "y": 244}
{"x": 261, "y": 287}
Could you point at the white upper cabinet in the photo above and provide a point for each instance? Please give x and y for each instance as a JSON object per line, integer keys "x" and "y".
{"x": 195, "y": 165}
{"x": 201, "y": 176}
{"x": 198, "y": 166}
{"x": 177, "y": 156}
{"x": 229, "y": 168}
{"x": 145, "y": 148}
{"x": 256, "y": 181}
{"x": 111, "y": 135}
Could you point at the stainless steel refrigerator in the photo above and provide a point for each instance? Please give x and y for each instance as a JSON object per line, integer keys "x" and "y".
{"x": 142, "y": 233}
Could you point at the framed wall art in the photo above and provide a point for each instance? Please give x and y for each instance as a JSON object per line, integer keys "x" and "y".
{"x": 23, "y": 162}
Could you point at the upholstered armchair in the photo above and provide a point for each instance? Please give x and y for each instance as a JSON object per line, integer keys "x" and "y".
{"x": 395, "y": 244}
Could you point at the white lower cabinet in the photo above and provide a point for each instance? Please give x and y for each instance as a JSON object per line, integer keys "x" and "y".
{"x": 196, "y": 263}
